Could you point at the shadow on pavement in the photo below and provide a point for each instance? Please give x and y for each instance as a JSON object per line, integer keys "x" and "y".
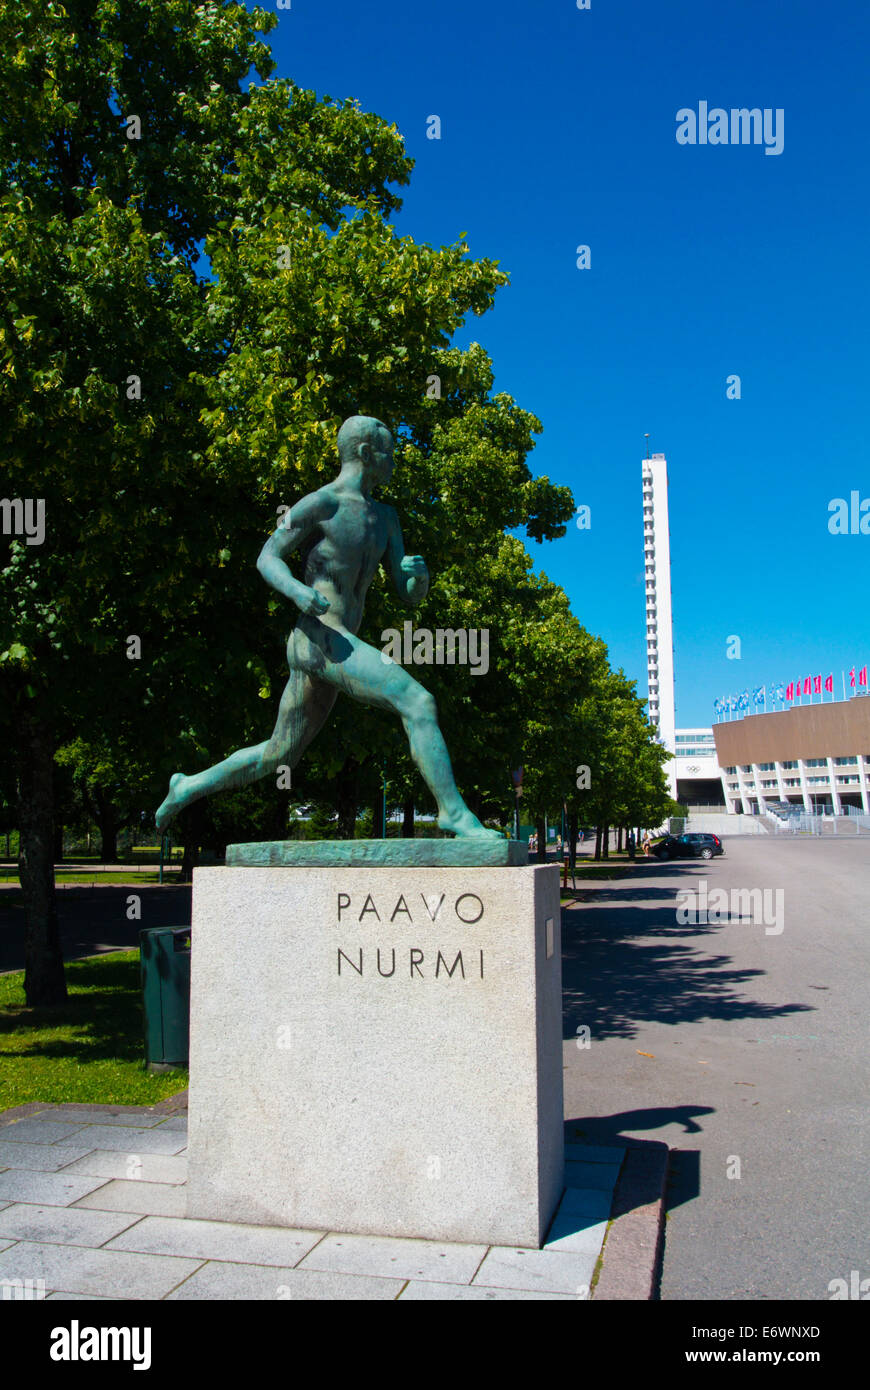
{"x": 684, "y": 1172}
{"x": 94, "y": 920}
{"x": 624, "y": 964}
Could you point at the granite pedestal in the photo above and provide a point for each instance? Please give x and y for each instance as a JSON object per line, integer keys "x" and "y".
{"x": 378, "y": 1050}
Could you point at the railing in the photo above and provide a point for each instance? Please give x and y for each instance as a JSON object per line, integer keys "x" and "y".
{"x": 803, "y": 823}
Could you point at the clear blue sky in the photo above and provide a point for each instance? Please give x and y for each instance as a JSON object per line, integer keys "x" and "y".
{"x": 558, "y": 128}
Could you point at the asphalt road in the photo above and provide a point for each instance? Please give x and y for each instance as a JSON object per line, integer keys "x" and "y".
{"x": 758, "y": 1060}
{"x": 93, "y": 920}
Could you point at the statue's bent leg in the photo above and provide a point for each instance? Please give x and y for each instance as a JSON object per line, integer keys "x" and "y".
{"x": 365, "y": 675}
{"x": 305, "y": 704}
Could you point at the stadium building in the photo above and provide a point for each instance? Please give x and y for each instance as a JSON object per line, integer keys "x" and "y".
{"x": 813, "y": 757}
{"x": 810, "y": 757}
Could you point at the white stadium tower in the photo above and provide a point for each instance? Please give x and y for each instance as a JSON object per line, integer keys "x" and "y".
{"x": 659, "y": 627}
{"x": 694, "y": 775}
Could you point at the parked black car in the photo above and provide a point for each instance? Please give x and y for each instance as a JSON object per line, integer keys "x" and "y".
{"x": 695, "y": 844}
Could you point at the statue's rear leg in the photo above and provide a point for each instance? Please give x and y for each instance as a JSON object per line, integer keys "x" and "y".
{"x": 305, "y": 705}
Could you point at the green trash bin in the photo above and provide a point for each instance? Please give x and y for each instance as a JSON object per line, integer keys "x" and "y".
{"x": 165, "y": 959}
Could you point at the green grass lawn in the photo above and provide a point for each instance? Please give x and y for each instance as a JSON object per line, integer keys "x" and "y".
{"x": 89, "y": 1049}
{"x": 110, "y": 876}
{"x": 604, "y": 868}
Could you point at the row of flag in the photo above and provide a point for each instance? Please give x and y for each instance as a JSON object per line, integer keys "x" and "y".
{"x": 781, "y": 694}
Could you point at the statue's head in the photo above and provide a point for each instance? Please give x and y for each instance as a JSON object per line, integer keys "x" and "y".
{"x": 367, "y": 441}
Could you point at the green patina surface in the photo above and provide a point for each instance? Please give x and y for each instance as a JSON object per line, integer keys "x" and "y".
{"x": 464, "y": 853}
{"x": 344, "y": 534}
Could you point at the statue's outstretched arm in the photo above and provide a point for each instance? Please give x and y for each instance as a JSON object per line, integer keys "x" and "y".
{"x": 408, "y": 572}
{"x": 298, "y": 524}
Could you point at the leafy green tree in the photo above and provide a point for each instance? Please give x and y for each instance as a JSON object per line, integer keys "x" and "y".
{"x": 102, "y": 321}
{"x": 163, "y": 404}
{"x": 627, "y": 783}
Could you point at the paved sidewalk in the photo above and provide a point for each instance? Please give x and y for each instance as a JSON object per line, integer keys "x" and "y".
{"x": 92, "y": 1203}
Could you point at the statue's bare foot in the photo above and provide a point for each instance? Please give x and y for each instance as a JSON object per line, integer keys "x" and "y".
{"x": 171, "y": 806}
{"x": 465, "y": 825}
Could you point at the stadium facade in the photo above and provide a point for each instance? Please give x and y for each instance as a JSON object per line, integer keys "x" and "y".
{"x": 813, "y": 757}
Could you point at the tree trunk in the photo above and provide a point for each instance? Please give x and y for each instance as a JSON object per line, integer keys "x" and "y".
{"x": 44, "y": 981}
{"x": 573, "y": 829}
{"x": 605, "y": 842}
{"x": 189, "y": 860}
{"x": 618, "y": 839}
{"x": 347, "y": 798}
{"x": 191, "y": 832}
{"x": 598, "y": 842}
{"x": 107, "y": 824}
{"x": 408, "y": 819}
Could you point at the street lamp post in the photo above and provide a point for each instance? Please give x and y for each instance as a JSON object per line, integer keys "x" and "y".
{"x": 517, "y": 779}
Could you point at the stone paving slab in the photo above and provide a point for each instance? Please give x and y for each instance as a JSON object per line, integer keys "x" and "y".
{"x": 544, "y": 1271}
{"x": 569, "y": 1233}
{"x": 591, "y": 1175}
{"x": 134, "y": 1141}
{"x": 389, "y": 1256}
{"x": 111, "y": 1273}
{"x": 144, "y": 1198}
{"x": 67, "y": 1187}
{"x": 46, "y": 1158}
{"x": 64, "y": 1225}
{"x": 419, "y": 1291}
{"x": 217, "y": 1240}
{"x": 45, "y": 1189}
{"x": 591, "y": 1202}
{"x": 33, "y": 1131}
{"x": 235, "y": 1281}
{"x": 81, "y": 1297}
{"x": 96, "y": 1115}
{"x": 111, "y": 1163}
{"x": 594, "y": 1153}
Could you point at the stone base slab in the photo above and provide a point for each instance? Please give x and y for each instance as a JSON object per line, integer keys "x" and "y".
{"x": 469, "y": 852}
{"x": 378, "y": 1050}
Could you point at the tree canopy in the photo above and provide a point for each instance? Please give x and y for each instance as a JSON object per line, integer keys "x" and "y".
{"x": 198, "y": 282}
